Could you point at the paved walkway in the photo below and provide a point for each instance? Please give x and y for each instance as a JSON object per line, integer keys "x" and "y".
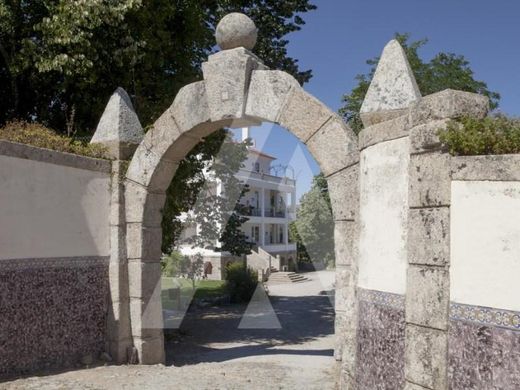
{"x": 220, "y": 348}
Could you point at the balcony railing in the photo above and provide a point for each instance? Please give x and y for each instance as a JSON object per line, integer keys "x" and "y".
{"x": 251, "y": 212}
{"x": 273, "y": 213}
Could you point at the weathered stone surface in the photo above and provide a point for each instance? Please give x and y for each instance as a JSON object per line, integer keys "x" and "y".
{"x": 373, "y": 118}
{"x": 146, "y": 315}
{"x": 413, "y": 386}
{"x": 151, "y": 170}
{"x": 480, "y": 168}
{"x": 427, "y": 296}
{"x": 145, "y": 207}
{"x": 430, "y": 180}
{"x": 429, "y": 236}
{"x": 150, "y": 351}
{"x": 424, "y": 138}
{"x": 426, "y": 357}
{"x": 236, "y": 30}
{"x": 303, "y": 114}
{"x": 190, "y": 107}
{"x": 268, "y": 91}
{"x": 449, "y": 104}
{"x": 334, "y": 146}
{"x": 144, "y": 278}
{"x": 143, "y": 242}
{"x": 345, "y": 235}
{"x": 226, "y": 76}
{"x": 393, "y": 86}
{"x": 345, "y": 289}
{"x": 345, "y": 332}
{"x": 119, "y": 128}
{"x": 27, "y": 152}
{"x": 386, "y": 131}
{"x": 344, "y": 193}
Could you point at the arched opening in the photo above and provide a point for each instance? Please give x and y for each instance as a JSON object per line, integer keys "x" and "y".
{"x": 272, "y": 96}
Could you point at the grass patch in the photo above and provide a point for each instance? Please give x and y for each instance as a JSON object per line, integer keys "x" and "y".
{"x": 472, "y": 137}
{"x": 203, "y": 289}
{"x": 42, "y": 137}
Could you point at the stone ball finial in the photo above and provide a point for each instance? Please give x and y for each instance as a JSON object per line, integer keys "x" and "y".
{"x": 236, "y": 30}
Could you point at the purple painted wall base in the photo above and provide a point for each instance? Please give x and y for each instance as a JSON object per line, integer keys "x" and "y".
{"x": 52, "y": 312}
{"x": 381, "y": 338}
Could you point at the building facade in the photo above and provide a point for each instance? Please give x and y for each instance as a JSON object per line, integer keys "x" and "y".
{"x": 270, "y": 205}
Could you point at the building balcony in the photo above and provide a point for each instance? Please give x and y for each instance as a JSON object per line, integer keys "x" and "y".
{"x": 273, "y": 213}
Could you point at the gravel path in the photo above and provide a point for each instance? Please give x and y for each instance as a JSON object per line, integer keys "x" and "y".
{"x": 218, "y": 348}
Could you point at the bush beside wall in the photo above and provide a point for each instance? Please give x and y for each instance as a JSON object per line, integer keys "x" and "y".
{"x": 42, "y": 137}
{"x": 492, "y": 135}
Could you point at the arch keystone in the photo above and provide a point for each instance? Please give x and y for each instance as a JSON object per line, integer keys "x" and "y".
{"x": 268, "y": 92}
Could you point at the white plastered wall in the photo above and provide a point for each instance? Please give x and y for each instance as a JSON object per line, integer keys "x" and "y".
{"x": 384, "y": 216}
{"x": 485, "y": 244}
{"x": 51, "y": 211}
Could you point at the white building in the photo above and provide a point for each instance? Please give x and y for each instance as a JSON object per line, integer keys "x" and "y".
{"x": 271, "y": 202}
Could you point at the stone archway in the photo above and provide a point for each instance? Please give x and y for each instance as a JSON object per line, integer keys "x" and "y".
{"x": 238, "y": 90}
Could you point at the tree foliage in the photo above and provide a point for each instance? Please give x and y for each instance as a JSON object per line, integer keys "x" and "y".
{"x": 219, "y": 216}
{"x": 60, "y": 60}
{"x": 443, "y": 71}
{"x": 313, "y": 229}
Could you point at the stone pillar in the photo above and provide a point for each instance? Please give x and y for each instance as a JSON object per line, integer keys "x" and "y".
{"x": 427, "y": 295}
{"x": 120, "y": 132}
{"x": 428, "y": 279}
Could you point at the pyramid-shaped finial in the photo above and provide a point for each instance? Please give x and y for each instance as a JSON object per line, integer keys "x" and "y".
{"x": 119, "y": 128}
{"x": 393, "y": 86}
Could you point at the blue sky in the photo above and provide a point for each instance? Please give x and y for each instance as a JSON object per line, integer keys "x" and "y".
{"x": 341, "y": 35}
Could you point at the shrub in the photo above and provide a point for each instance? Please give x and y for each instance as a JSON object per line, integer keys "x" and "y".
{"x": 492, "y": 135}
{"x": 241, "y": 282}
{"x": 171, "y": 264}
{"x": 40, "y": 136}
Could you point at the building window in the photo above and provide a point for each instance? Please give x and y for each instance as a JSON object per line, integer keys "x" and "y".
{"x": 257, "y": 167}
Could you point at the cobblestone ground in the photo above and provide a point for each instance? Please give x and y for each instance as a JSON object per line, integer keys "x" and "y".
{"x": 211, "y": 352}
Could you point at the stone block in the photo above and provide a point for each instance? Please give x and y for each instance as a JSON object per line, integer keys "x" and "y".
{"x": 413, "y": 386}
{"x": 344, "y": 193}
{"x": 373, "y": 118}
{"x": 386, "y": 131}
{"x": 334, "y": 146}
{"x": 449, "y": 104}
{"x": 424, "y": 138}
{"x": 146, "y": 316}
{"x": 117, "y": 195}
{"x": 345, "y": 334}
{"x": 426, "y": 357}
{"x": 226, "y": 76}
{"x": 143, "y": 278}
{"x": 143, "y": 242}
{"x": 118, "y": 244}
{"x": 345, "y": 289}
{"x": 190, "y": 107}
{"x": 150, "y": 350}
{"x": 268, "y": 91}
{"x": 429, "y": 236}
{"x": 483, "y": 168}
{"x": 303, "y": 114}
{"x": 427, "y": 296}
{"x": 430, "y": 180}
{"x": 144, "y": 207}
{"x": 151, "y": 170}
{"x": 345, "y": 236}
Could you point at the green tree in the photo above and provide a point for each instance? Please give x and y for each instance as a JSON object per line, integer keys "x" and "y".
{"x": 60, "y": 60}
{"x": 443, "y": 71}
{"x": 219, "y": 216}
{"x": 314, "y": 225}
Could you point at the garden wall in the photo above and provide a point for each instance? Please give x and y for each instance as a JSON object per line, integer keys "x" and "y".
{"x": 54, "y": 251}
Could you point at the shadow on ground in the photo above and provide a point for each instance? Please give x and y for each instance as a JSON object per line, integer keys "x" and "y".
{"x": 213, "y": 334}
